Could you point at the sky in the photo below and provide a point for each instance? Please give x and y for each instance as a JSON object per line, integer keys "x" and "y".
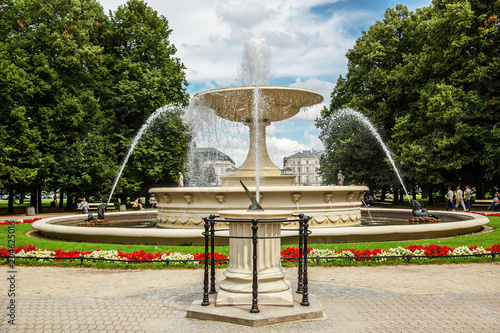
{"x": 308, "y": 40}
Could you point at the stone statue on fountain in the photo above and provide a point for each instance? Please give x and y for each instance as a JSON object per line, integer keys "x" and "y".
{"x": 340, "y": 178}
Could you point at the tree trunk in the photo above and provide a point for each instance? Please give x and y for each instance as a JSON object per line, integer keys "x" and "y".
{"x": 61, "y": 198}
{"x": 431, "y": 197}
{"x": 414, "y": 190}
{"x": 38, "y": 207}
{"x": 10, "y": 205}
{"x": 69, "y": 201}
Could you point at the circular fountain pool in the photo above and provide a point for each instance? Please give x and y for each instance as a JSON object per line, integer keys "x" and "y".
{"x": 64, "y": 227}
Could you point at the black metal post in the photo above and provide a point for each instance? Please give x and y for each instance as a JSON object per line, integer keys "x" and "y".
{"x": 205, "y": 277}
{"x": 300, "y": 283}
{"x": 305, "y": 294}
{"x": 255, "y": 307}
{"x": 212, "y": 261}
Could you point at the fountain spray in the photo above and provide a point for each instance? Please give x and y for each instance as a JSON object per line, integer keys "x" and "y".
{"x": 155, "y": 115}
{"x": 367, "y": 123}
{"x": 255, "y": 70}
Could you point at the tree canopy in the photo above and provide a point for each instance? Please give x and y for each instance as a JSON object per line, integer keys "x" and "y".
{"x": 429, "y": 82}
{"x": 76, "y": 85}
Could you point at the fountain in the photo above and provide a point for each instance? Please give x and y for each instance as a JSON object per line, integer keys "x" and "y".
{"x": 257, "y": 106}
{"x": 181, "y": 209}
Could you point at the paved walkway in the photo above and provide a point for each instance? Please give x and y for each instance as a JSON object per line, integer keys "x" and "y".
{"x": 446, "y": 298}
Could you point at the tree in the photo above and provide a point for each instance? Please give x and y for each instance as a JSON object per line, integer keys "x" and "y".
{"x": 145, "y": 76}
{"x": 76, "y": 85}
{"x": 418, "y": 77}
{"x": 49, "y": 42}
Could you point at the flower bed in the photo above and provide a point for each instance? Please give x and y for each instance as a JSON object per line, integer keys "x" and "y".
{"x": 23, "y": 221}
{"x": 111, "y": 255}
{"x": 484, "y": 214}
{"x": 413, "y": 251}
{"x": 288, "y": 254}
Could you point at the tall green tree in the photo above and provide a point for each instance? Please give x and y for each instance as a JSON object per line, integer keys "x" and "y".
{"x": 145, "y": 75}
{"x": 76, "y": 87}
{"x": 427, "y": 82}
{"x": 50, "y": 42}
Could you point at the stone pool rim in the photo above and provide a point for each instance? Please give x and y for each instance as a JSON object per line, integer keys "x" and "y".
{"x": 51, "y": 227}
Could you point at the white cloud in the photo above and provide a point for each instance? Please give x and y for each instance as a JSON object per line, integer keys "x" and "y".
{"x": 281, "y": 147}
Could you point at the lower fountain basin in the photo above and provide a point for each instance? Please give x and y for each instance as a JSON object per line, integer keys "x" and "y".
{"x": 328, "y": 206}
{"x": 456, "y": 224}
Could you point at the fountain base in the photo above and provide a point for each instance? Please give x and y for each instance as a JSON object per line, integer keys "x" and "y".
{"x": 268, "y": 315}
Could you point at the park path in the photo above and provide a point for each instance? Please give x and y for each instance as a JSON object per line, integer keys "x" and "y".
{"x": 406, "y": 298}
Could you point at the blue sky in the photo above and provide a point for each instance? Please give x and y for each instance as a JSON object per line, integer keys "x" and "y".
{"x": 308, "y": 40}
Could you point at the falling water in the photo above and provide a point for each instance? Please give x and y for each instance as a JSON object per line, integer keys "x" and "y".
{"x": 256, "y": 129}
{"x": 366, "y": 122}
{"x": 255, "y": 70}
{"x": 155, "y": 115}
{"x": 255, "y": 67}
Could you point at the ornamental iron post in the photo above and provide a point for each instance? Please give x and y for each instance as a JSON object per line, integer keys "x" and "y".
{"x": 300, "y": 283}
{"x": 206, "y": 301}
{"x": 255, "y": 308}
{"x": 305, "y": 294}
{"x": 212, "y": 261}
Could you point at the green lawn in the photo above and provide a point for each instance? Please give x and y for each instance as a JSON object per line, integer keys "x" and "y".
{"x": 484, "y": 240}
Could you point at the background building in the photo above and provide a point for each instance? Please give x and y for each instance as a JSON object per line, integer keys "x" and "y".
{"x": 223, "y": 165}
{"x": 304, "y": 164}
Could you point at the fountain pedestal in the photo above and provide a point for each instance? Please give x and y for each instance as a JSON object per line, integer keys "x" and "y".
{"x": 236, "y": 288}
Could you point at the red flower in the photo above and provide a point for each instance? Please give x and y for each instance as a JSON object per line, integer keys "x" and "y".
{"x": 292, "y": 252}
{"x": 201, "y": 256}
{"x": 494, "y": 248}
{"x": 436, "y": 250}
{"x": 414, "y": 248}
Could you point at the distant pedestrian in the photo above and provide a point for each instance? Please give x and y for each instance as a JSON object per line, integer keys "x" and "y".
{"x": 460, "y": 199}
{"x": 468, "y": 197}
{"x": 449, "y": 199}
{"x": 138, "y": 204}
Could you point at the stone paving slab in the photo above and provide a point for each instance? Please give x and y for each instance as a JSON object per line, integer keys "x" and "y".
{"x": 347, "y": 309}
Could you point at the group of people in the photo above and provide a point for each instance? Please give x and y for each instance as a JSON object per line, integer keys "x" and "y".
{"x": 462, "y": 199}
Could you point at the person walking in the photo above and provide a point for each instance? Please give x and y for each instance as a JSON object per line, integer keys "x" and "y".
{"x": 449, "y": 199}
{"x": 460, "y": 199}
{"x": 468, "y": 197}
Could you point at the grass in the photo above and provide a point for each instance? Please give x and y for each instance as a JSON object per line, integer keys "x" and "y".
{"x": 20, "y": 209}
{"x": 21, "y": 230}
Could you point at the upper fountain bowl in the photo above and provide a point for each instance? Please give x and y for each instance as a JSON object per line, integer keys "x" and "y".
{"x": 275, "y": 103}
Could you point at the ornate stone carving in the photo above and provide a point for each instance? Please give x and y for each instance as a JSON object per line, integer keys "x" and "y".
{"x": 350, "y": 196}
{"x": 165, "y": 198}
{"x": 361, "y": 195}
{"x": 221, "y": 198}
{"x": 295, "y": 197}
{"x": 189, "y": 198}
{"x": 327, "y": 197}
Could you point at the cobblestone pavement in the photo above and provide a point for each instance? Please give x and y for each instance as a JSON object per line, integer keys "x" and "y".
{"x": 347, "y": 309}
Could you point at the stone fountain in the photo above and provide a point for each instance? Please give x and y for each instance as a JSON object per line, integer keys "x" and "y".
{"x": 257, "y": 107}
